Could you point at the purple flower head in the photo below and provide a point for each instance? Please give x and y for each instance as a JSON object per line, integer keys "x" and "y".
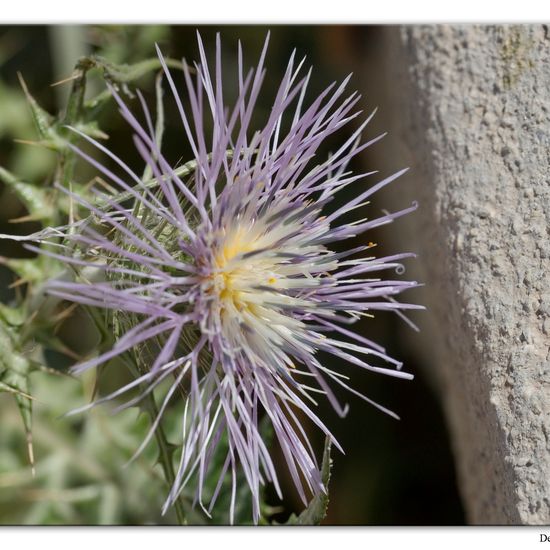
{"x": 226, "y": 269}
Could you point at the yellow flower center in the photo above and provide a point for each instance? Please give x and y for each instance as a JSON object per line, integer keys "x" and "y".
{"x": 237, "y": 278}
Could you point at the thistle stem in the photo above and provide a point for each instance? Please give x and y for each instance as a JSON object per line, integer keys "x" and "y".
{"x": 165, "y": 458}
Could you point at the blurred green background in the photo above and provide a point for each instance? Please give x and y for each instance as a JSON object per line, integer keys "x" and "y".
{"x": 393, "y": 473}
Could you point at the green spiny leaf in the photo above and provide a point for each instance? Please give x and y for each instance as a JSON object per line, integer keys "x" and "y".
{"x": 121, "y": 74}
{"x": 37, "y": 200}
{"x": 51, "y": 132}
{"x": 41, "y": 118}
{"x": 14, "y": 378}
{"x": 14, "y": 317}
{"x": 317, "y": 509}
{"x": 127, "y": 73}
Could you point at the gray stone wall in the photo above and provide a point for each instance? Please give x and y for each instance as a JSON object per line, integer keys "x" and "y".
{"x": 470, "y": 113}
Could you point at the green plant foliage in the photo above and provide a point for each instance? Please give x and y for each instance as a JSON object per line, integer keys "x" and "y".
{"x": 15, "y": 369}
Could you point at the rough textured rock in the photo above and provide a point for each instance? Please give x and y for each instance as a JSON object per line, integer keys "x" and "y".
{"x": 471, "y": 113}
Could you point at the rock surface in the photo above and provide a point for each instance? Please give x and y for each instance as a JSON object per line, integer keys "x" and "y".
{"x": 471, "y": 116}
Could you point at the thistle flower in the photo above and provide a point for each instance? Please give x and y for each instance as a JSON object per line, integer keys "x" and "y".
{"x": 225, "y": 269}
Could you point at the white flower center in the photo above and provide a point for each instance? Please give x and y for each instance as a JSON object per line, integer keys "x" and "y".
{"x": 258, "y": 284}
